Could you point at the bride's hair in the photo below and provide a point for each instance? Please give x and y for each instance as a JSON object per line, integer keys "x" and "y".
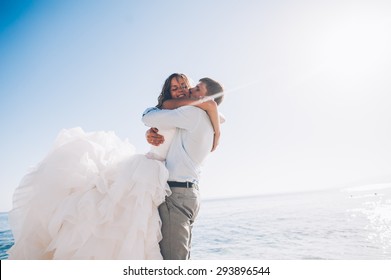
{"x": 166, "y": 90}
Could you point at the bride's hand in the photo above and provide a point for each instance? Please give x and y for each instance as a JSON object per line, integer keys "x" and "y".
{"x": 216, "y": 140}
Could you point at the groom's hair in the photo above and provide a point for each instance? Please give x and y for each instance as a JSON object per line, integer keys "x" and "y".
{"x": 213, "y": 87}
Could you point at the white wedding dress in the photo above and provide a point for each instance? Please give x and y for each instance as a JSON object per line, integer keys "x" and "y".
{"x": 91, "y": 197}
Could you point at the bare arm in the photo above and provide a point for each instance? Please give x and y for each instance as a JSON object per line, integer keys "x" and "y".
{"x": 171, "y": 104}
{"x": 210, "y": 107}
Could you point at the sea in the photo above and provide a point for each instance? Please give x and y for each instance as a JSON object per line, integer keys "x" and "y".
{"x": 339, "y": 224}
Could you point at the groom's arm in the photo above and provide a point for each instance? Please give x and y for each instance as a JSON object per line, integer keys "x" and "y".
{"x": 154, "y": 138}
{"x": 182, "y": 117}
{"x": 152, "y": 135}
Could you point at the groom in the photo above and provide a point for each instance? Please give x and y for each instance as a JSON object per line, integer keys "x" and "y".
{"x": 191, "y": 145}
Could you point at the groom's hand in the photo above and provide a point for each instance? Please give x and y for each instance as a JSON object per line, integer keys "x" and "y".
{"x": 153, "y": 137}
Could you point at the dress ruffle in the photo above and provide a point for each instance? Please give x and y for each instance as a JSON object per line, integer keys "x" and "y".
{"x": 92, "y": 197}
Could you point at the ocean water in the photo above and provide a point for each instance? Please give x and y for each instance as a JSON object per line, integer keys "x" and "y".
{"x": 349, "y": 224}
{"x": 6, "y": 238}
{"x": 344, "y": 224}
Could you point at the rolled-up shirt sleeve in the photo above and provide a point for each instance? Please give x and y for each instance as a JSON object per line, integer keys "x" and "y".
{"x": 182, "y": 117}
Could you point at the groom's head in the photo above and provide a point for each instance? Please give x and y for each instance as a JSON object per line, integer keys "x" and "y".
{"x": 213, "y": 87}
{"x": 208, "y": 87}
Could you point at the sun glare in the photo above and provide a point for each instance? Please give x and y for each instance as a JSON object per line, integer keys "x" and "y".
{"x": 355, "y": 46}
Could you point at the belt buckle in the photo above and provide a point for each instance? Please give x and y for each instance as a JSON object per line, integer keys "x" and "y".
{"x": 193, "y": 186}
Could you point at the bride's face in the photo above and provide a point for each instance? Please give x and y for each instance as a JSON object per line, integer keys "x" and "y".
{"x": 199, "y": 90}
{"x": 179, "y": 88}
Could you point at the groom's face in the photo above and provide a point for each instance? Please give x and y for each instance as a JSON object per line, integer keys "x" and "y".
{"x": 179, "y": 88}
{"x": 199, "y": 90}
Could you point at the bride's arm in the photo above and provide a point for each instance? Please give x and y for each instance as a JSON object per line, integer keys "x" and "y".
{"x": 171, "y": 104}
{"x": 210, "y": 106}
{"x": 205, "y": 104}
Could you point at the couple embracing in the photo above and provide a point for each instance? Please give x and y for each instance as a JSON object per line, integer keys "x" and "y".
{"x": 92, "y": 197}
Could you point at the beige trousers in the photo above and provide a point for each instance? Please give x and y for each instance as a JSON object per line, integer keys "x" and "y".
{"x": 178, "y": 213}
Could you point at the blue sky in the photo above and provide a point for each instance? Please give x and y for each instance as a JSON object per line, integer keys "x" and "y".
{"x": 307, "y": 102}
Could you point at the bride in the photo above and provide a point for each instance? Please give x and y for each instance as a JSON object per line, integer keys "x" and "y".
{"x": 92, "y": 197}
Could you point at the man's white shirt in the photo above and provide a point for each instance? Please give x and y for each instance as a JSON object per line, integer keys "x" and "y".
{"x": 191, "y": 143}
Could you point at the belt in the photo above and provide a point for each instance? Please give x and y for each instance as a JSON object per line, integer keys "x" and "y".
{"x": 174, "y": 184}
